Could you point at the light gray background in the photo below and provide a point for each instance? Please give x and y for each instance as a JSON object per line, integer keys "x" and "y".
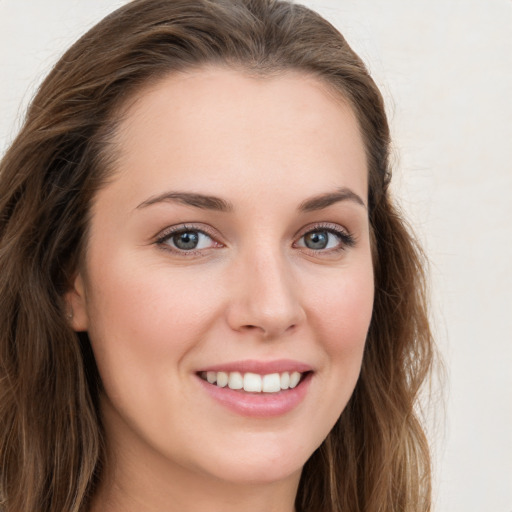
{"x": 445, "y": 68}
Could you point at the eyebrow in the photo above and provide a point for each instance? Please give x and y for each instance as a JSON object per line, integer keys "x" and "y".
{"x": 207, "y": 202}
{"x": 190, "y": 199}
{"x": 325, "y": 200}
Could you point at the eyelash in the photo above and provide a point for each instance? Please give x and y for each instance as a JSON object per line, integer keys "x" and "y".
{"x": 346, "y": 240}
{"x": 168, "y": 234}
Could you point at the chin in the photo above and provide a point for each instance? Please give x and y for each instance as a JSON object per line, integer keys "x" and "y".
{"x": 258, "y": 473}
{"x": 260, "y": 460}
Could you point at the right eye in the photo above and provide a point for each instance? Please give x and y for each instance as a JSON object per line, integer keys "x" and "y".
{"x": 185, "y": 239}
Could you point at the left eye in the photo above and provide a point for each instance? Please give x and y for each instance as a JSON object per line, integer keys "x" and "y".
{"x": 320, "y": 239}
{"x": 189, "y": 240}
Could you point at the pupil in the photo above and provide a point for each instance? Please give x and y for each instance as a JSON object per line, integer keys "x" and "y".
{"x": 187, "y": 240}
{"x": 316, "y": 240}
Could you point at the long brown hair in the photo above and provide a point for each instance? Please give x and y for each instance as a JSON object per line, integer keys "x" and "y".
{"x": 51, "y": 451}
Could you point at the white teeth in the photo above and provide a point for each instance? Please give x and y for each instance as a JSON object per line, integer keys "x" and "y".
{"x": 236, "y": 381}
{"x": 294, "y": 379}
{"x": 272, "y": 383}
{"x": 253, "y": 382}
{"x": 285, "y": 380}
{"x": 222, "y": 379}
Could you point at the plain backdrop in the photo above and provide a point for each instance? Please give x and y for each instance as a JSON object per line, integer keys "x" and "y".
{"x": 445, "y": 69}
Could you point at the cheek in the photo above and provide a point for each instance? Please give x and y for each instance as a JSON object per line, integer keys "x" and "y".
{"x": 340, "y": 314}
{"x": 341, "y": 321}
{"x": 145, "y": 322}
{"x": 145, "y": 318}
{"x": 343, "y": 312}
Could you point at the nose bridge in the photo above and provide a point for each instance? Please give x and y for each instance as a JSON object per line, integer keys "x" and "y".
{"x": 266, "y": 297}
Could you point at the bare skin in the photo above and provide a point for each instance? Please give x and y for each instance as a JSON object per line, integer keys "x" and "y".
{"x": 276, "y": 268}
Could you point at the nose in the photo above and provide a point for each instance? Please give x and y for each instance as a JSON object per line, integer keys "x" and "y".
{"x": 266, "y": 297}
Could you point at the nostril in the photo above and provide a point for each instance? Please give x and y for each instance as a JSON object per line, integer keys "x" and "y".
{"x": 250, "y": 327}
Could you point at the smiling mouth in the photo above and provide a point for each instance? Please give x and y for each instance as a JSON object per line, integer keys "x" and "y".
{"x": 254, "y": 382}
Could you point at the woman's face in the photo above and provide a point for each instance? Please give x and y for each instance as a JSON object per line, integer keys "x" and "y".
{"x": 231, "y": 244}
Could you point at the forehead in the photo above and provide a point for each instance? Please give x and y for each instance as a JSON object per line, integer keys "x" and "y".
{"x": 221, "y": 126}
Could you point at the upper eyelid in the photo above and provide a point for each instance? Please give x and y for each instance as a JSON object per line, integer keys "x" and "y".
{"x": 180, "y": 228}
{"x": 328, "y": 226}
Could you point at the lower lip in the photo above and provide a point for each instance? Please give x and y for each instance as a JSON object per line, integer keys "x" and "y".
{"x": 259, "y": 405}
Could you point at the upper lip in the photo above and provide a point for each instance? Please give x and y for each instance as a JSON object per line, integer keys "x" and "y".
{"x": 260, "y": 367}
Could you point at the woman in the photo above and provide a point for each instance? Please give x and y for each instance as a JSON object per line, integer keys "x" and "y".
{"x": 208, "y": 299}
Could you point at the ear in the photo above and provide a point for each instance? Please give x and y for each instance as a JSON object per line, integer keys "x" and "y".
{"x": 76, "y": 302}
